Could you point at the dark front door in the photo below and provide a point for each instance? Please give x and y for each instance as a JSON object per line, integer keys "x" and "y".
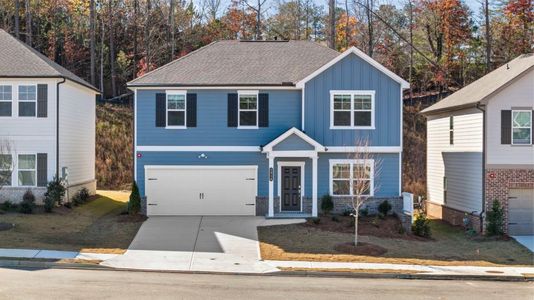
{"x": 290, "y": 188}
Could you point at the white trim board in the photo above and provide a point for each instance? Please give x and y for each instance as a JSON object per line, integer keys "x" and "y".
{"x": 332, "y": 162}
{"x": 371, "y": 149}
{"x": 352, "y": 110}
{"x": 263, "y": 88}
{"x": 189, "y": 167}
{"x": 302, "y": 166}
{"x": 198, "y": 148}
{"x": 353, "y": 50}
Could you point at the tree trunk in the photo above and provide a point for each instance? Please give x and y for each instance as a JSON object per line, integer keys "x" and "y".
{"x": 171, "y": 29}
{"x": 28, "y": 24}
{"x": 92, "y": 34}
{"x": 135, "y": 50}
{"x": 411, "y": 51}
{"x": 488, "y": 36}
{"x": 112, "y": 50}
{"x": 356, "y": 229}
{"x": 347, "y": 24}
{"x": 147, "y": 35}
{"x": 102, "y": 38}
{"x": 258, "y": 21}
{"x": 332, "y": 25}
{"x": 17, "y": 19}
{"x": 370, "y": 27}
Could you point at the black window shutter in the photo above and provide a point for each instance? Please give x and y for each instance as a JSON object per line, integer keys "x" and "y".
{"x": 506, "y": 127}
{"x": 42, "y": 166}
{"x": 42, "y": 100}
{"x": 161, "y": 111}
{"x": 191, "y": 110}
{"x": 263, "y": 112}
{"x": 232, "y": 110}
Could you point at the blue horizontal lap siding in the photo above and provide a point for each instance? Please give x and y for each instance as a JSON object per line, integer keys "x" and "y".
{"x": 353, "y": 73}
{"x": 212, "y": 127}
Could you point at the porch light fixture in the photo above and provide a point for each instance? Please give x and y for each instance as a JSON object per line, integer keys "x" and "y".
{"x": 203, "y": 155}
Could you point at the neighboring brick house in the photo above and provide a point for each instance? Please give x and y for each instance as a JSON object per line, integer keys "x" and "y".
{"x": 480, "y": 149}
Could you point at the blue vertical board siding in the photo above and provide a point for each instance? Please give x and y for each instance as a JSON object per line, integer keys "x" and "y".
{"x": 293, "y": 142}
{"x": 212, "y": 127}
{"x": 387, "y": 181}
{"x": 353, "y": 73}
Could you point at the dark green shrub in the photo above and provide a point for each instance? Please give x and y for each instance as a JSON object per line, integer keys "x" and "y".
{"x": 316, "y": 221}
{"x": 327, "y": 205}
{"x": 28, "y": 203}
{"x": 134, "y": 204}
{"x": 335, "y": 218}
{"x": 8, "y": 206}
{"x": 81, "y": 197}
{"x": 364, "y": 212}
{"x": 55, "y": 191}
{"x": 495, "y": 220}
{"x": 347, "y": 212}
{"x": 384, "y": 208}
{"x": 421, "y": 226}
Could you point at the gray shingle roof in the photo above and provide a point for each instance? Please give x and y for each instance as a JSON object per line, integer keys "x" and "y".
{"x": 20, "y": 60}
{"x": 241, "y": 63}
{"x": 485, "y": 86}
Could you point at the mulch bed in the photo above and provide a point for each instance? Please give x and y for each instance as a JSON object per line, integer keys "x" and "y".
{"x": 361, "y": 249}
{"x": 389, "y": 227}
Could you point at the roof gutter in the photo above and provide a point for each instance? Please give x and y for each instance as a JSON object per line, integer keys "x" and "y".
{"x": 482, "y": 108}
{"x": 57, "y": 125}
{"x": 54, "y": 76}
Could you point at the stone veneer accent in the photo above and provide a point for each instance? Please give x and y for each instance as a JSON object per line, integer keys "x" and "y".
{"x": 262, "y": 205}
{"x": 500, "y": 181}
{"x": 14, "y": 194}
{"x": 453, "y": 216}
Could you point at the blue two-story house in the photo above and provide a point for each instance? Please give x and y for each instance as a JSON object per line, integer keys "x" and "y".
{"x": 265, "y": 128}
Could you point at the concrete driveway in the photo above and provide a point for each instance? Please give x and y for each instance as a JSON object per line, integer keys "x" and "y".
{"x": 195, "y": 243}
{"x": 525, "y": 240}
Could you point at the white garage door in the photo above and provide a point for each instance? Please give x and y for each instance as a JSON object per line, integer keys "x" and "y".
{"x": 521, "y": 212}
{"x": 201, "y": 190}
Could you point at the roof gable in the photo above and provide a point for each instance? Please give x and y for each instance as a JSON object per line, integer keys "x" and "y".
{"x": 296, "y": 138}
{"x": 353, "y": 50}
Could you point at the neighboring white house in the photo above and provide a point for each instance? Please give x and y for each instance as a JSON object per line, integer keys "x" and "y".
{"x": 480, "y": 149}
{"x": 47, "y": 123}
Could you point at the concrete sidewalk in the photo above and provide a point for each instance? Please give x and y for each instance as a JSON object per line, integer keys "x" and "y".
{"x": 427, "y": 270}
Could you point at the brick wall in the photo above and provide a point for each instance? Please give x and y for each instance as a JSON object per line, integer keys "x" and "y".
{"x": 451, "y": 215}
{"x": 500, "y": 181}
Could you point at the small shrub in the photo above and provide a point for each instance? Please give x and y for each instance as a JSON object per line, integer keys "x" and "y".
{"x": 495, "y": 220}
{"x": 28, "y": 203}
{"x": 327, "y": 205}
{"x": 55, "y": 191}
{"x": 134, "y": 204}
{"x": 347, "y": 212}
{"x": 421, "y": 226}
{"x": 81, "y": 197}
{"x": 8, "y": 206}
{"x": 384, "y": 208}
{"x": 364, "y": 212}
{"x": 335, "y": 218}
{"x": 316, "y": 221}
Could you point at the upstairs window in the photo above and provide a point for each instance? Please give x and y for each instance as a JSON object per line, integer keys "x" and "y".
{"x": 6, "y": 169}
{"x": 521, "y": 127}
{"x": 451, "y": 130}
{"x": 248, "y": 110}
{"x": 352, "y": 109}
{"x": 6, "y": 99}
{"x": 27, "y": 100}
{"x": 176, "y": 108}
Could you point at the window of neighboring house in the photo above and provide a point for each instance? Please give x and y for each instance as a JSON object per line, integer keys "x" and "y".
{"x": 451, "y": 130}
{"x": 176, "y": 108}
{"x": 6, "y": 169}
{"x": 27, "y": 100}
{"x": 26, "y": 167}
{"x": 521, "y": 127}
{"x": 248, "y": 110}
{"x": 352, "y": 109}
{"x": 6, "y": 99}
{"x": 351, "y": 177}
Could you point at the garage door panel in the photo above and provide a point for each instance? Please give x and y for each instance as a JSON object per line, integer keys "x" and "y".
{"x": 201, "y": 190}
{"x": 521, "y": 212}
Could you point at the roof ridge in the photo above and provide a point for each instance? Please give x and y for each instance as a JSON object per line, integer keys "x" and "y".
{"x": 174, "y": 61}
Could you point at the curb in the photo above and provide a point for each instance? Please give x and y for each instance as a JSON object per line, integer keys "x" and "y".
{"x": 28, "y": 264}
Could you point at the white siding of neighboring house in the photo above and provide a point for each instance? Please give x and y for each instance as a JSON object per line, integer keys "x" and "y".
{"x": 31, "y": 135}
{"x": 460, "y": 162}
{"x": 77, "y": 132}
{"x": 519, "y": 94}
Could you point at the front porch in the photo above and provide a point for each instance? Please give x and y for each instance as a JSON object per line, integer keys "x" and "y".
{"x": 290, "y": 157}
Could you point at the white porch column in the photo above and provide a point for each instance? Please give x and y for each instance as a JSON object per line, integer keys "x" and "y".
{"x": 314, "y": 186}
{"x": 271, "y": 186}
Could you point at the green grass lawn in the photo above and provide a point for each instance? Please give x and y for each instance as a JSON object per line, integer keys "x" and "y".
{"x": 96, "y": 226}
{"x": 450, "y": 246}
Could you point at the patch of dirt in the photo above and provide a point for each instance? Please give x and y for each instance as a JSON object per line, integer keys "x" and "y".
{"x": 124, "y": 218}
{"x": 361, "y": 249}
{"x": 389, "y": 227}
{"x": 6, "y": 226}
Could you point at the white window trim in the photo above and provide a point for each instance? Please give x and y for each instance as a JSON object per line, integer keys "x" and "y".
{"x": 352, "y": 93}
{"x": 19, "y": 100}
{"x": 352, "y": 162}
{"x": 302, "y": 166}
{"x": 175, "y": 92}
{"x": 12, "y": 169}
{"x": 512, "y": 126}
{"x": 17, "y": 170}
{"x": 10, "y": 101}
{"x": 247, "y": 93}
